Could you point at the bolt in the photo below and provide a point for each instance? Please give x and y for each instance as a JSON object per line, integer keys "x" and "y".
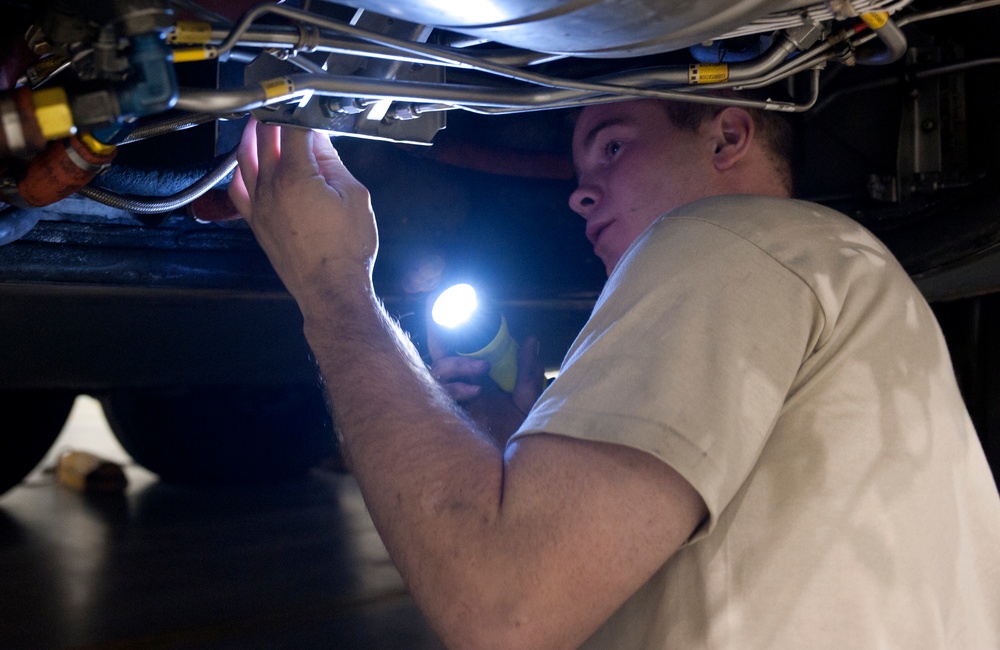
{"x": 329, "y": 106}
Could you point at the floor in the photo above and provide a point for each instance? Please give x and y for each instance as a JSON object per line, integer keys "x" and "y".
{"x": 294, "y": 565}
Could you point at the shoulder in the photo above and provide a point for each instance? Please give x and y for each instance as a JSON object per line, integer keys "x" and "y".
{"x": 814, "y": 242}
{"x": 783, "y": 227}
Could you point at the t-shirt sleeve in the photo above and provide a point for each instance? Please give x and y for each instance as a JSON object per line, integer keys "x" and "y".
{"x": 689, "y": 355}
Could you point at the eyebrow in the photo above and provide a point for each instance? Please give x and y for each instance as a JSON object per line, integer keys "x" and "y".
{"x": 588, "y": 140}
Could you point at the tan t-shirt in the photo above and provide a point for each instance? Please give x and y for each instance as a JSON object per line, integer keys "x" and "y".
{"x": 776, "y": 355}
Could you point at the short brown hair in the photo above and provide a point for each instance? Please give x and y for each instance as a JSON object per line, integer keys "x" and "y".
{"x": 773, "y": 128}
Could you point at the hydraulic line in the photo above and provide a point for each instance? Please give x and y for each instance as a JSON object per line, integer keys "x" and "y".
{"x": 568, "y": 92}
{"x": 170, "y": 125}
{"x": 408, "y": 47}
{"x": 818, "y": 12}
{"x": 948, "y": 11}
{"x": 154, "y": 205}
{"x": 924, "y": 73}
{"x": 891, "y": 36}
{"x": 929, "y": 15}
{"x": 466, "y": 97}
{"x": 290, "y": 39}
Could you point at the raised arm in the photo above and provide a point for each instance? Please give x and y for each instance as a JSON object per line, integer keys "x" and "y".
{"x": 529, "y": 547}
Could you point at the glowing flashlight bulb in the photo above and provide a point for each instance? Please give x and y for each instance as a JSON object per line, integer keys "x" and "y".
{"x": 481, "y": 333}
{"x": 455, "y": 306}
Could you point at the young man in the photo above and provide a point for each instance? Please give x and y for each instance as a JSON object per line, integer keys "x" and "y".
{"x": 755, "y": 442}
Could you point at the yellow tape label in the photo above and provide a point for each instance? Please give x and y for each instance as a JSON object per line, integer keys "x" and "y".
{"x": 188, "y": 54}
{"x": 708, "y": 74}
{"x": 277, "y": 87}
{"x": 191, "y": 32}
{"x": 876, "y": 19}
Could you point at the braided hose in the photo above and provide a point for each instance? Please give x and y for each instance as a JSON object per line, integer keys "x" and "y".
{"x": 154, "y": 205}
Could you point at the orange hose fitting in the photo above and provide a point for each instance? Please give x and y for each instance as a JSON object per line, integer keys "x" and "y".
{"x": 63, "y": 169}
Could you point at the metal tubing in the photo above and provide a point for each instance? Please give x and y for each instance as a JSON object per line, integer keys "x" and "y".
{"x": 566, "y": 90}
{"x": 893, "y": 46}
{"x": 165, "y": 126}
{"x": 466, "y": 97}
{"x": 278, "y": 36}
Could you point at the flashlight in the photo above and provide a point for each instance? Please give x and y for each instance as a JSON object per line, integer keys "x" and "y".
{"x": 477, "y": 331}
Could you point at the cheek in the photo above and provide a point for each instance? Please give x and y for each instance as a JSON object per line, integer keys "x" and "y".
{"x": 638, "y": 217}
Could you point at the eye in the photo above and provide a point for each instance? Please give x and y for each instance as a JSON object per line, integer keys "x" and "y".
{"x": 612, "y": 148}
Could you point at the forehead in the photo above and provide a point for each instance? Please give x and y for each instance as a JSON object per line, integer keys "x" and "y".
{"x": 637, "y": 113}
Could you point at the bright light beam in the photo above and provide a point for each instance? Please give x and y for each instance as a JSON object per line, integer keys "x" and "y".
{"x": 455, "y": 306}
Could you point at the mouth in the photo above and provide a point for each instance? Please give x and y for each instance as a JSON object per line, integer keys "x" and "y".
{"x": 594, "y": 231}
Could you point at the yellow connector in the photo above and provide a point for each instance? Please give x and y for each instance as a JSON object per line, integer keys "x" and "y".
{"x": 96, "y": 146}
{"x": 875, "y": 19}
{"x": 53, "y": 113}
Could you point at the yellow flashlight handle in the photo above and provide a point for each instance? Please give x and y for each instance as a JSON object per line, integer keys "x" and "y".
{"x": 501, "y": 352}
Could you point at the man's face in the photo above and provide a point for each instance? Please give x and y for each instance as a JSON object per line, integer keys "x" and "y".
{"x": 633, "y": 165}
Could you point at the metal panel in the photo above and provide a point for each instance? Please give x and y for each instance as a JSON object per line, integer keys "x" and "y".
{"x": 604, "y": 28}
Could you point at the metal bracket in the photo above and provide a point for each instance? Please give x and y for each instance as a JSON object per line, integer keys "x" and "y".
{"x": 351, "y": 116}
{"x": 932, "y": 151}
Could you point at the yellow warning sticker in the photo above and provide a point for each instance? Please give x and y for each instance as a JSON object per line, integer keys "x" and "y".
{"x": 708, "y": 74}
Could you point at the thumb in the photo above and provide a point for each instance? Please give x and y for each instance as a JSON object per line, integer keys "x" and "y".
{"x": 328, "y": 160}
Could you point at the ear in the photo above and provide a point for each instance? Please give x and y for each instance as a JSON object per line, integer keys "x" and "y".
{"x": 733, "y": 132}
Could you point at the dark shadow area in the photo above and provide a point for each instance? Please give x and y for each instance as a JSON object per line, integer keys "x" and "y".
{"x": 282, "y": 564}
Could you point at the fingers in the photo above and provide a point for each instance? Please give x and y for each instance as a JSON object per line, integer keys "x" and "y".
{"x": 268, "y": 147}
{"x": 324, "y": 151}
{"x": 463, "y": 392}
{"x": 296, "y": 146}
{"x": 327, "y": 158}
{"x": 306, "y": 152}
{"x": 246, "y": 180}
{"x": 239, "y": 194}
{"x": 459, "y": 369}
{"x": 459, "y": 376}
{"x": 260, "y": 159}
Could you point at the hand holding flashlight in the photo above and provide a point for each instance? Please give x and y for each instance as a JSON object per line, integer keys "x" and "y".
{"x": 477, "y": 331}
{"x": 458, "y": 322}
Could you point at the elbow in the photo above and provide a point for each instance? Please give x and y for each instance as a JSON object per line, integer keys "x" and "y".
{"x": 500, "y": 639}
{"x": 502, "y": 628}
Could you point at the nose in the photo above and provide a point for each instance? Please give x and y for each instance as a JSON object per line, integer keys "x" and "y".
{"x": 584, "y": 199}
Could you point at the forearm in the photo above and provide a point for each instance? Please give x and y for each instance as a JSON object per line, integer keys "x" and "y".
{"x": 432, "y": 482}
